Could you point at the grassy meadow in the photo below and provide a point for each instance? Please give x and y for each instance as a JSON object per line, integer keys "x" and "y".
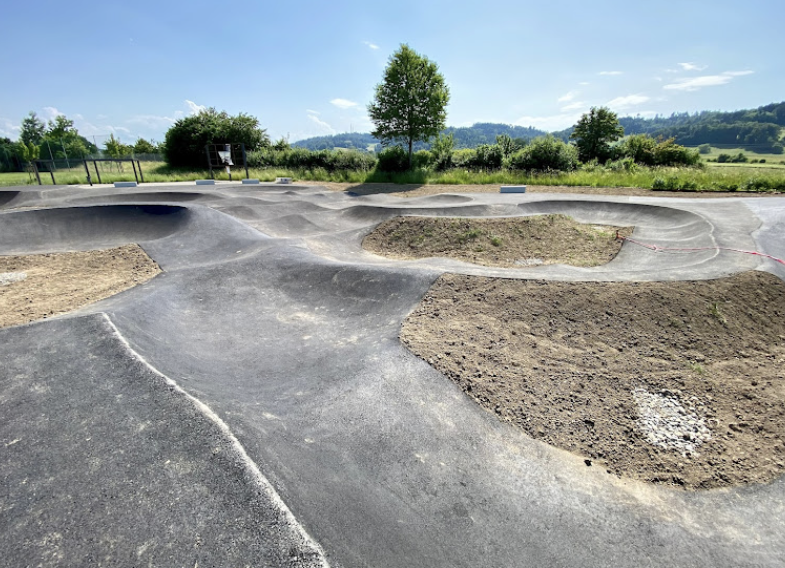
{"x": 713, "y": 177}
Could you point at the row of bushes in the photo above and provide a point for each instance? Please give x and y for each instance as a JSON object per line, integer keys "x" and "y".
{"x": 545, "y": 154}
{"x": 303, "y": 159}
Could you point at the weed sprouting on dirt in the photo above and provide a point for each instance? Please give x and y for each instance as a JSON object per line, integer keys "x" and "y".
{"x": 716, "y": 312}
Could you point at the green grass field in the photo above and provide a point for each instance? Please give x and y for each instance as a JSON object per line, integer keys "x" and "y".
{"x": 777, "y": 159}
{"x": 717, "y": 177}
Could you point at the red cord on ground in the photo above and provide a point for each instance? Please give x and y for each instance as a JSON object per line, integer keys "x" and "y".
{"x": 657, "y": 248}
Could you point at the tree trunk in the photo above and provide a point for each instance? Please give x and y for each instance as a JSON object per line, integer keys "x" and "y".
{"x": 410, "y": 153}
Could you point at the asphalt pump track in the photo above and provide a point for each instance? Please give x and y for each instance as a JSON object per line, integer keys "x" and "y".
{"x": 253, "y": 405}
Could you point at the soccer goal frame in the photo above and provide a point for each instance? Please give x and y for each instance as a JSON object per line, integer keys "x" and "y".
{"x": 135, "y": 164}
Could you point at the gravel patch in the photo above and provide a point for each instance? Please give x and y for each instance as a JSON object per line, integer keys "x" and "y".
{"x": 666, "y": 423}
{"x": 7, "y": 278}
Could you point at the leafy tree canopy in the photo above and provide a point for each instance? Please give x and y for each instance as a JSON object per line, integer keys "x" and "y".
{"x": 411, "y": 102}
{"x": 143, "y": 146}
{"x": 32, "y": 130}
{"x": 186, "y": 139}
{"x": 595, "y": 132}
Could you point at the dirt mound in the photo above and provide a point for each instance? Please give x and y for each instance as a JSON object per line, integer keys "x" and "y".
{"x": 43, "y": 285}
{"x": 679, "y": 383}
{"x": 507, "y": 242}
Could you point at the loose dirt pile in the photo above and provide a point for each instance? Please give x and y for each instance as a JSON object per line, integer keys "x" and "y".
{"x": 43, "y": 285}
{"x": 678, "y": 383}
{"x": 507, "y": 242}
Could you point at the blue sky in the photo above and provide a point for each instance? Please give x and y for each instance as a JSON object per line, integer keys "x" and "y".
{"x": 306, "y": 68}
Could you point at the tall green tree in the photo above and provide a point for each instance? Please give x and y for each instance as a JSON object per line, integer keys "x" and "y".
{"x": 411, "y": 102}
{"x": 32, "y": 130}
{"x": 595, "y": 132}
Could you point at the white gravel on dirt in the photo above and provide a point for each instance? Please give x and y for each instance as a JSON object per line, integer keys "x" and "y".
{"x": 668, "y": 424}
{"x": 7, "y": 278}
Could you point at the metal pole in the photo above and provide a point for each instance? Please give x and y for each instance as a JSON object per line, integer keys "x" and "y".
{"x": 95, "y": 165}
{"x": 67, "y": 163}
{"x": 37, "y": 175}
{"x": 86, "y": 169}
{"x": 209, "y": 161}
{"x": 141, "y": 176}
{"x": 133, "y": 164}
{"x": 52, "y": 172}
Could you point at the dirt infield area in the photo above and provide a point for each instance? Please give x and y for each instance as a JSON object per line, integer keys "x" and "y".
{"x": 677, "y": 383}
{"x": 39, "y": 286}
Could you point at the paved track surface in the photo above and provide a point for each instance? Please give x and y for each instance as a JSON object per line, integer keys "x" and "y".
{"x": 252, "y": 405}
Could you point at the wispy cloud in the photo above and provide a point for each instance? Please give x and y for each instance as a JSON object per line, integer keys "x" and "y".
{"x": 577, "y": 105}
{"x": 568, "y": 97}
{"x": 152, "y": 120}
{"x": 628, "y": 101}
{"x": 309, "y": 111}
{"x": 8, "y": 128}
{"x": 550, "y": 123}
{"x": 343, "y": 103}
{"x": 584, "y": 83}
{"x": 194, "y": 108}
{"x": 323, "y": 126}
{"x": 610, "y": 73}
{"x": 691, "y": 67}
{"x": 371, "y": 45}
{"x": 697, "y": 83}
{"x": 50, "y": 113}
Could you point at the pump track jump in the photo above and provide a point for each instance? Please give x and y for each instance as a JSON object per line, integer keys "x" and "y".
{"x": 253, "y": 406}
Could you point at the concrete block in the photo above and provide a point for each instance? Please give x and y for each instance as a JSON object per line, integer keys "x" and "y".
{"x": 250, "y": 181}
{"x": 513, "y": 189}
{"x": 283, "y": 180}
{"x": 205, "y": 182}
{"x": 125, "y": 184}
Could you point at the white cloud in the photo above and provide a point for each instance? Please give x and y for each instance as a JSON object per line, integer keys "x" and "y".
{"x": 309, "y": 111}
{"x": 8, "y": 128}
{"x": 194, "y": 108}
{"x": 549, "y": 123}
{"x": 584, "y": 83}
{"x": 628, "y": 101}
{"x": 343, "y": 103}
{"x": 568, "y": 97}
{"x": 610, "y": 73}
{"x": 697, "y": 83}
{"x": 577, "y": 105}
{"x": 321, "y": 124}
{"x": 691, "y": 67}
{"x": 371, "y": 45}
{"x": 51, "y": 112}
{"x": 152, "y": 120}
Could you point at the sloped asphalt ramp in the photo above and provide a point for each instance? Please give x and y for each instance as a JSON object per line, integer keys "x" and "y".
{"x": 252, "y": 405}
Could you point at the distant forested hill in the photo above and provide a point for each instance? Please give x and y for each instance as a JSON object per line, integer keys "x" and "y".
{"x": 759, "y": 129}
{"x": 347, "y": 140}
{"x": 465, "y": 137}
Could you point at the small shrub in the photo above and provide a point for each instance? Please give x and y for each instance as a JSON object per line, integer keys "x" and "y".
{"x": 545, "y": 154}
{"x": 704, "y": 149}
{"x": 393, "y": 159}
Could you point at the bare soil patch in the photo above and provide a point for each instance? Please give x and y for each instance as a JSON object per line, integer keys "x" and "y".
{"x": 38, "y": 286}
{"x": 507, "y": 242}
{"x": 676, "y": 383}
